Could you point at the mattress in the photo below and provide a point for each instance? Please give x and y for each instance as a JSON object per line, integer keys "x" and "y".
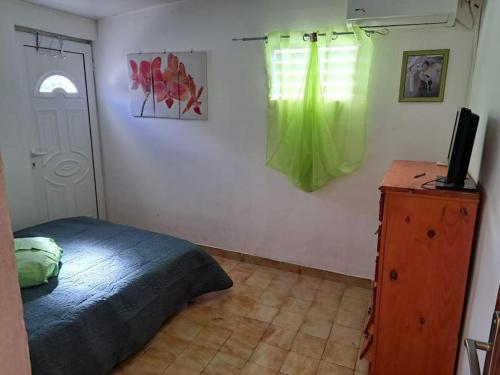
{"x": 116, "y": 287}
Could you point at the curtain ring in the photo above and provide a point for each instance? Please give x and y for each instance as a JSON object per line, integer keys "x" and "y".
{"x": 306, "y": 37}
{"x": 334, "y": 35}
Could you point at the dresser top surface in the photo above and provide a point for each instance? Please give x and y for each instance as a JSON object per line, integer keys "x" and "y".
{"x": 405, "y": 175}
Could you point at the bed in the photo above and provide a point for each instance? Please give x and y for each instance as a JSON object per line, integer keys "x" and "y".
{"x": 116, "y": 287}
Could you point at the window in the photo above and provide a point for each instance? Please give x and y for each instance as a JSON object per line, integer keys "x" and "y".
{"x": 289, "y": 67}
{"x": 57, "y": 83}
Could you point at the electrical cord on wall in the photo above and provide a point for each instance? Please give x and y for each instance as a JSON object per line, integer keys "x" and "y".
{"x": 475, "y": 42}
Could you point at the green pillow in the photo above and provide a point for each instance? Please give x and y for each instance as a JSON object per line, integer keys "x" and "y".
{"x": 37, "y": 259}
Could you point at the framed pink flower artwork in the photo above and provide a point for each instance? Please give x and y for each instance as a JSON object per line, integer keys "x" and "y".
{"x": 168, "y": 85}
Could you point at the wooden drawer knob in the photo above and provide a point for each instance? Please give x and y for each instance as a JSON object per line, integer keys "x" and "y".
{"x": 393, "y": 275}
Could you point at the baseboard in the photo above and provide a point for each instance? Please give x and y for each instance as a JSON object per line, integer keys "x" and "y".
{"x": 329, "y": 275}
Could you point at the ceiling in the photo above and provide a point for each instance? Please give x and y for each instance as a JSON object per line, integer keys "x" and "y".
{"x": 98, "y": 8}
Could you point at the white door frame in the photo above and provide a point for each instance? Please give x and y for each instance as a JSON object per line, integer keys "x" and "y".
{"x": 28, "y": 38}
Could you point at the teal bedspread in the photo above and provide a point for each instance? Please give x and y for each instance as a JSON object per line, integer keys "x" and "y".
{"x": 116, "y": 287}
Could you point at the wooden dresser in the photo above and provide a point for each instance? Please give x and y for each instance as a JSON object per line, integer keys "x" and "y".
{"x": 424, "y": 248}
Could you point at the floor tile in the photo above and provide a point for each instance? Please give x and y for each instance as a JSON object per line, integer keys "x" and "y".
{"x": 279, "y": 337}
{"x": 263, "y": 271}
{"x": 296, "y": 305}
{"x": 345, "y": 335}
{"x": 302, "y": 292}
{"x": 239, "y": 276}
{"x": 147, "y": 364}
{"x": 202, "y": 314}
{"x": 330, "y": 299}
{"x": 182, "y": 329}
{"x": 308, "y": 345}
{"x": 227, "y": 362}
{"x": 168, "y": 344}
{"x": 212, "y": 370}
{"x": 317, "y": 328}
{"x": 288, "y": 320}
{"x": 296, "y": 364}
{"x": 321, "y": 312}
{"x": 281, "y": 287}
{"x": 196, "y": 357}
{"x": 263, "y": 312}
{"x": 271, "y": 322}
{"x": 258, "y": 280}
{"x": 238, "y": 305}
{"x": 358, "y": 293}
{"x": 251, "y": 339}
{"x": 246, "y": 267}
{"x": 212, "y": 337}
{"x": 287, "y": 277}
{"x": 343, "y": 355}
{"x": 227, "y": 264}
{"x": 268, "y": 356}
{"x": 353, "y": 304}
{"x": 331, "y": 286}
{"x": 273, "y": 298}
{"x": 309, "y": 282}
{"x": 250, "y": 327}
{"x": 254, "y": 369}
{"x": 211, "y": 299}
{"x": 326, "y": 368}
{"x": 350, "y": 319}
{"x": 250, "y": 292}
{"x": 239, "y": 347}
{"x": 178, "y": 369}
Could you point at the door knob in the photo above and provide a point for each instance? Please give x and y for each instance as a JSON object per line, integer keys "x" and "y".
{"x": 36, "y": 153}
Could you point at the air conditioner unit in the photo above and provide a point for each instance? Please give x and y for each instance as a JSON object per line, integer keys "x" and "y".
{"x": 384, "y": 13}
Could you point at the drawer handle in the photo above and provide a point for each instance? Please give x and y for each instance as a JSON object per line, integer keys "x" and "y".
{"x": 393, "y": 275}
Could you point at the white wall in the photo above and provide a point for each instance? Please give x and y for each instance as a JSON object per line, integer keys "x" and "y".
{"x": 12, "y": 119}
{"x": 485, "y": 96}
{"x": 207, "y": 181}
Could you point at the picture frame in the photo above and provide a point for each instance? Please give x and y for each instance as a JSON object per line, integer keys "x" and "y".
{"x": 423, "y": 75}
{"x": 169, "y": 85}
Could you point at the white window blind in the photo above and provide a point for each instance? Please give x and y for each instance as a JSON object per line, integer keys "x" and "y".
{"x": 289, "y": 68}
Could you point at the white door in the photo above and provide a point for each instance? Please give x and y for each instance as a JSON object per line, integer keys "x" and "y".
{"x": 59, "y": 133}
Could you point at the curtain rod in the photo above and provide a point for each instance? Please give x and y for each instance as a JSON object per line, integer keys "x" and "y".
{"x": 49, "y": 34}
{"x": 307, "y": 36}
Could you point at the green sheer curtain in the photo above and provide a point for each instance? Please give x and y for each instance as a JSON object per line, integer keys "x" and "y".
{"x": 317, "y": 105}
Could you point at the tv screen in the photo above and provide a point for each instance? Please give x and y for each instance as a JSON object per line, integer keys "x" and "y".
{"x": 460, "y": 151}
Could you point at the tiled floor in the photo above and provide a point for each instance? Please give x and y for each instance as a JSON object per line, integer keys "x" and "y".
{"x": 270, "y": 322}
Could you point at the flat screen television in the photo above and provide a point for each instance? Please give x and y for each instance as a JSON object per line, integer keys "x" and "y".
{"x": 462, "y": 142}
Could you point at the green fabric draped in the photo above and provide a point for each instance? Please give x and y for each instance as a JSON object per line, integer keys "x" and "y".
{"x": 317, "y": 105}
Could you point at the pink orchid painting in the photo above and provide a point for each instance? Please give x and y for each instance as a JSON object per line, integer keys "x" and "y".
{"x": 170, "y": 85}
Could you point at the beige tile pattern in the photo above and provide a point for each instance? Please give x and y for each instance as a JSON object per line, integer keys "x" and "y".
{"x": 272, "y": 322}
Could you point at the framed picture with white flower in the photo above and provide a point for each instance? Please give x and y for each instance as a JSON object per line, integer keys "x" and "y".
{"x": 423, "y": 75}
{"x": 168, "y": 85}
